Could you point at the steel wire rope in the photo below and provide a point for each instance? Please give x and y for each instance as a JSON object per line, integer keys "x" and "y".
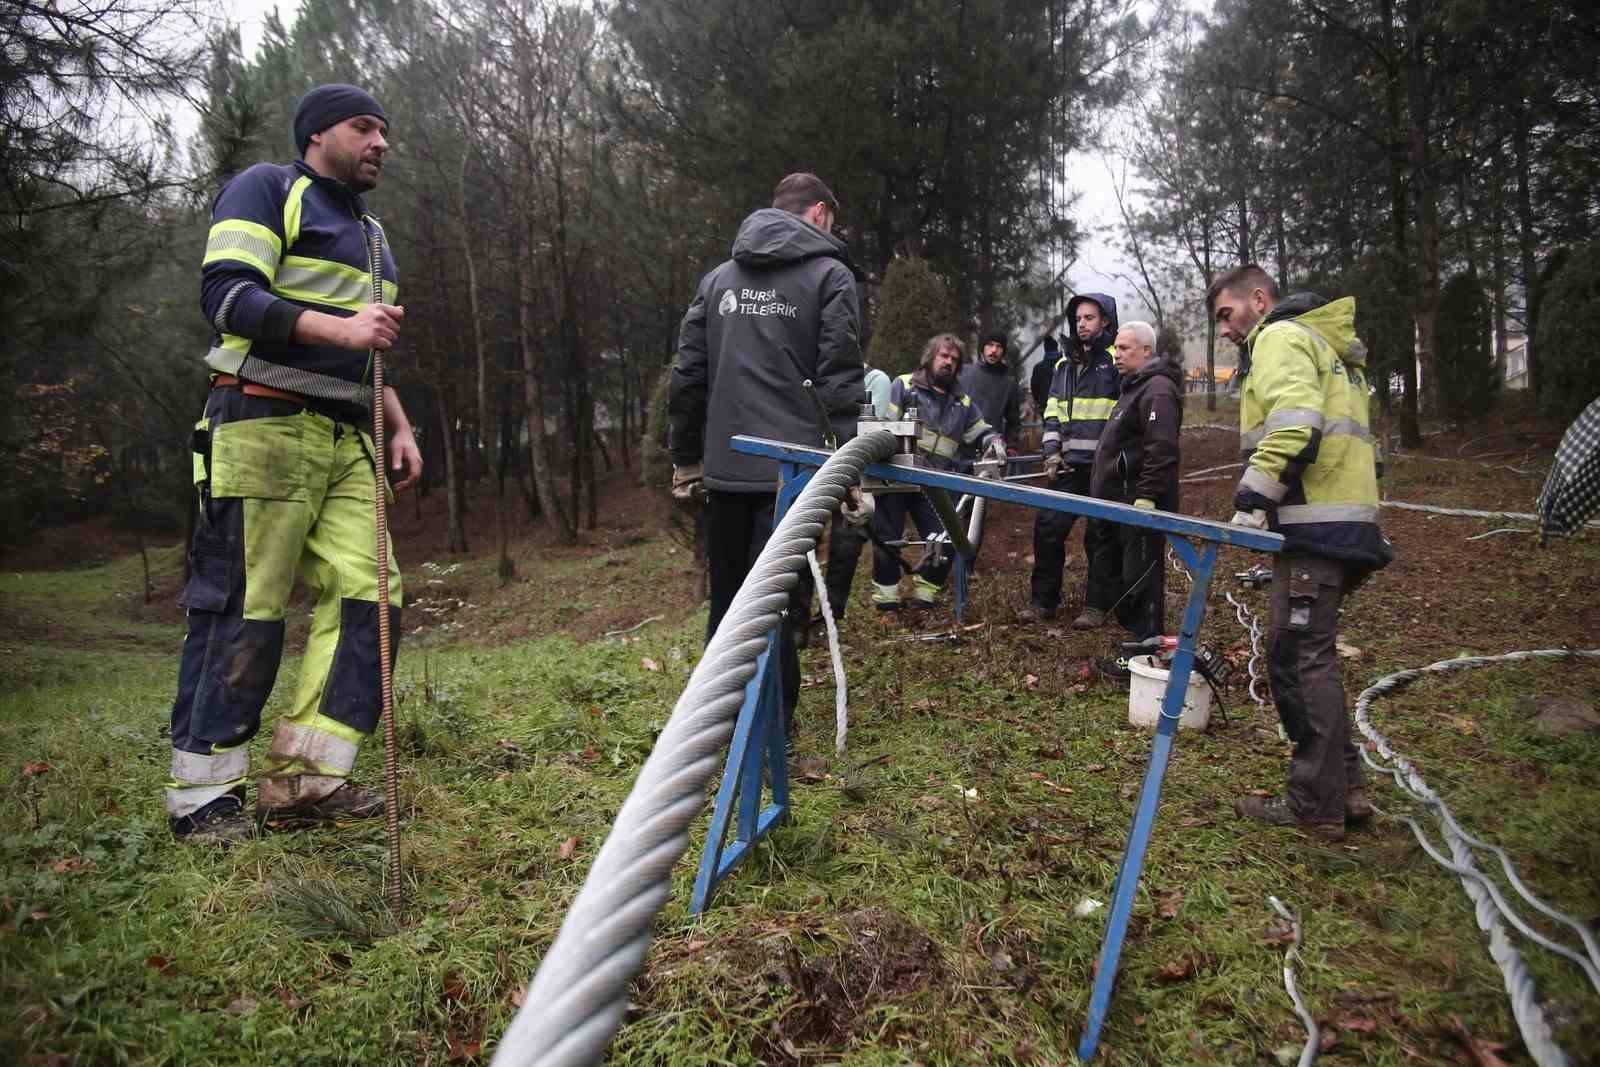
{"x": 577, "y": 999}
{"x": 1488, "y": 901}
{"x": 380, "y": 509}
{"x": 1308, "y": 1053}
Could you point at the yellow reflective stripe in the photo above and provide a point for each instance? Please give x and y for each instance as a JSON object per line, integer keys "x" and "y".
{"x": 937, "y": 444}
{"x": 1259, "y": 481}
{"x": 1286, "y": 418}
{"x": 977, "y": 430}
{"x": 244, "y": 242}
{"x": 1090, "y": 407}
{"x": 1295, "y": 514}
{"x": 291, "y": 210}
{"x": 229, "y": 354}
{"x": 326, "y": 282}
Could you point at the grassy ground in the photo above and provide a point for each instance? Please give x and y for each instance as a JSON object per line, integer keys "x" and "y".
{"x": 924, "y": 914}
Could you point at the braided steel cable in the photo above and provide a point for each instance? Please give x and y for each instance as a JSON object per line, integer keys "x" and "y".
{"x": 1471, "y": 513}
{"x": 1308, "y": 1054}
{"x": 1487, "y": 899}
{"x": 1531, "y": 1023}
{"x": 380, "y": 507}
{"x": 1253, "y": 664}
{"x": 577, "y": 999}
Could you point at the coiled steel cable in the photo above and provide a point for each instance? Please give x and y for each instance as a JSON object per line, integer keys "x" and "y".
{"x": 1487, "y": 899}
{"x": 1253, "y": 665}
{"x": 577, "y": 999}
{"x": 380, "y": 507}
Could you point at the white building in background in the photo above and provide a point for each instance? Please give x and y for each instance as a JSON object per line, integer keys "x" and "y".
{"x": 1516, "y": 361}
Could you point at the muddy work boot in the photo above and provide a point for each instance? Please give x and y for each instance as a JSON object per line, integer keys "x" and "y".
{"x": 1036, "y": 613}
{"x": 280, "y": 802}
{"x": 1089, "y": 619}
{"x": 221, "y": 823}
{"x": 1275, "y": 811}
{"x": 1357, "y": 808}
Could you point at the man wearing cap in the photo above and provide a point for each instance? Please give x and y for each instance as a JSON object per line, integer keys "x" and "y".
{"x": 990, "y": 384}
{"x": 285, "y": 471}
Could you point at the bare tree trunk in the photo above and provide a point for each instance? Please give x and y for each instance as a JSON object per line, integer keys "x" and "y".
{"x": 1427, "y": 195}
{"x": 452, "y": 473}
{"x": 1527, "y": 243}
{"x": 504, "y": 568}
{"x": 533, "y": 388}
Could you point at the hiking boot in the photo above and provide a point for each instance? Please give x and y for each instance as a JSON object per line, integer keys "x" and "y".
{"x": 1275, "y": 811}
{"x": 1114, "y": 668}
{"x": 1357, "y": 808}
{"x": 348, "y": 803}
{"x": 221, "y": 822}
{"x": 1036, "y": 613}
{"x": 1089, "y": 619}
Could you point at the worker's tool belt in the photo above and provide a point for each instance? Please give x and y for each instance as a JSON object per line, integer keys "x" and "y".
{"x": 223, "y": 381}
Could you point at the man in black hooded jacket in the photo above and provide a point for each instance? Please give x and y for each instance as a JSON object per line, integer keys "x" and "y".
{"x": 991, "y": 385}
{"x": 781, "y": 312}
{"x": 1137, "y": 463}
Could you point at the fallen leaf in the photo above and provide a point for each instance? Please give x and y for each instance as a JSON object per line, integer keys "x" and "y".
{"x": 1091, "y": 768}
{"x": 568, "y": 847}
{"x": 649, "y": 664}
{"x": 70, "y": 864}
{"x": 39, "y": 915}
{"x": 1049, "y": 753}
{"x": 1191, "y": 821}
{"x": 34, "y": 768}
{"x": 808, "y": 770}
{"x": 290, "y": 1002}
{"x": 1086, "y": 672}
{"x": 1358, "y": 1024}
{"x": 1262, "y": 793}
{"x": 241, "y": 1006}
{"x": 1484, "y": 1053}
{"x": 925, "y": 704}
{"x": 929, "y": 803}
{"x": 1031, "y": 681}
{"x": 1048, "y": 784}
{"x": 455, "y": 990}
{"x": 160, "y": 964}
{"x": 589, "y": 755}
{"x": 1347, "y": 651}
{"x": 463, "y": 1047}
{"x": 1462, "y": 723}
{"x": 1179, "y": 969}
{"x": 1170, "y": 903}
{"x": 516, "y": 996}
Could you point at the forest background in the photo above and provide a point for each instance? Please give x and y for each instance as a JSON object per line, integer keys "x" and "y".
{"x": 564, "y": 173}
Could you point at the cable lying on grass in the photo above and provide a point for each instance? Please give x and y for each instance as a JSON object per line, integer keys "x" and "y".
{"x": 841, "y": 706}
{"x": 577, "y": 999}
{"x": 1488, "y": 901}
{"x": 1308, "y": 1054}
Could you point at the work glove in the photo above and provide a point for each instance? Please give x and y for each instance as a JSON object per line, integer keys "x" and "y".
{"x": 1144, "y": 503}
{"x": 688, "y": 483}
{"x": 1052, "y": 466}
{"x": 857, "y": 507}
{"x": 1256, "y": 520}
{"x": 996, "y": 448}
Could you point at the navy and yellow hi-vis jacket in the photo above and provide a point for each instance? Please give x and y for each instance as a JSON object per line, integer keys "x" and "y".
{"x": 1309, "y": 456}
{"x": 951, "y": 422}
{"x": 1083, "y": 389}
{"x": 285, "y": 239}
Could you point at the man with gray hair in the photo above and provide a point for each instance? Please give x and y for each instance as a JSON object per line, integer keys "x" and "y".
{"x": 1136, "y": 463}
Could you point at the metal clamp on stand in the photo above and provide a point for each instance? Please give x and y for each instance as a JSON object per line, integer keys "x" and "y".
{"x": 906, "y": 429}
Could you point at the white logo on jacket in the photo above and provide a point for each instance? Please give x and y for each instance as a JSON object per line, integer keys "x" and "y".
{"x": 728, "y": 304}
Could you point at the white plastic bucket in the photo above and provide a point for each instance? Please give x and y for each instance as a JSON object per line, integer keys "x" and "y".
{"x": 1148, "y": 686}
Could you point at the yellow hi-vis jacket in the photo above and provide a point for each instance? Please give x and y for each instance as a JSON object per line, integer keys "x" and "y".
{"x": 1303, "y": 432}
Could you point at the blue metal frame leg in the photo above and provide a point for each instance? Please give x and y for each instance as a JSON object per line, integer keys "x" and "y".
{"x": 1200, "y": 561}
{"x": 758, "y": 753}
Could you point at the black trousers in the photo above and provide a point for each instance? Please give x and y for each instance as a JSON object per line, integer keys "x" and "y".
{"x": 1307, "y": 687}
{"x": 1050, "y": 531}
{"x": 737, "y": 528}
{"x": 1140, "y": 582}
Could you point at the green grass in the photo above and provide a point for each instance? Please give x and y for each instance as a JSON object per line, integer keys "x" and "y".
{"x": 892, "y": 920}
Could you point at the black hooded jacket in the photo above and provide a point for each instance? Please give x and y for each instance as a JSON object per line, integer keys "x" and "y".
{"x": 997, "y": 394}
{"x": 782, "y": 311}
{"x": 1138, "y": 452}
{"x": 1083, "y": 389}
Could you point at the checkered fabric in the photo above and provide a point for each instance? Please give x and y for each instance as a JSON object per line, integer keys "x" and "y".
{"x": 1572, "y": 492}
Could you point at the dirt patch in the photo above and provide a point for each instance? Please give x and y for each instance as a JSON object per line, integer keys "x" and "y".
{"x": 879, "y": 958}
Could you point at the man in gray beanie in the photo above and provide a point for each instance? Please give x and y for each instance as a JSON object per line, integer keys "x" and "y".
{"x": 285, "y": 475}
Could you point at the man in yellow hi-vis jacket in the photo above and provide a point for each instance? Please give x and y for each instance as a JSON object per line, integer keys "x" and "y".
{"x": 284, "y": 466}
{"x": 1310, "y": 474}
